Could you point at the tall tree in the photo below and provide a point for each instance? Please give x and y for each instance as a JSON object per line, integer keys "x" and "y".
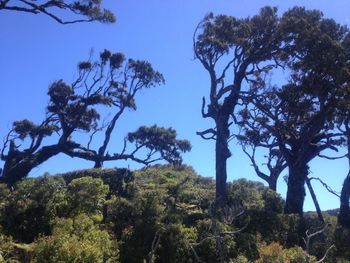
{"x": 73, "y": 11}
{"x": 300, "y": 114}
{"x": 232, "y": 51}
{"x": 110, "y": 82}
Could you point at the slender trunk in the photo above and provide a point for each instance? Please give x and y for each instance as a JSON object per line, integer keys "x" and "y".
{"x": 222, "y": 154}
{"x": 314, "y": 198}
{"x": 108, "y": 134}
{"x": 298, "y": 172}
{"x": 344, "y": 212}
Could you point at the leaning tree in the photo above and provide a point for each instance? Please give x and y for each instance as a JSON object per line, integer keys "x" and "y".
{"x": 62, "y": 11}
{"x": 233, "y": 51}
{"x": 111, "y": 82}
{"x": 301, "y": 113}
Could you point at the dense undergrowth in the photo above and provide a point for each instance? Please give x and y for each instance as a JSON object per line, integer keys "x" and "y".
{"x": 159, "y": 214}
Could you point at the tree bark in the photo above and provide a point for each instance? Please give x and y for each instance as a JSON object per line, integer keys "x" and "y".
{"x": 222, "y": 153}
{"x": 19, "y": 164}
{"x": 314, "y": 198}
{"x": 98, "y": 164}
{"x": 272, "y": 181}
{"x": 344, "y": 211}
{"x": 298, "y": 172}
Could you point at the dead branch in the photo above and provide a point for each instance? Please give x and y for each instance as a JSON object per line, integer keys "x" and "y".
{"x": 154, "y": 247}
{"x": 307, "y": 239}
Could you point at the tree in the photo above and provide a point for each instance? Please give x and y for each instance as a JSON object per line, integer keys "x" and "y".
{"x": 300, "y": 114}
{"x": 240, "y": 48}
{"x": 251, "y": 140}
{"x": 77, "y": 11}
{"x": 110, "y": 82}
{"x": 344, "y": 128}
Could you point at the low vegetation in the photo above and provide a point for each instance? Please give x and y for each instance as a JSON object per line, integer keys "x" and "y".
{"x": 158, "y": 214}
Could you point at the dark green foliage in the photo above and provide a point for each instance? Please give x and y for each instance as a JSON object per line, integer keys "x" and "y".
{"x": 174, "y": 244}
{"x": 342, "y": 242}
{"x": 86, "y": 195}
{"x": 120, "y": 181}
{"x": 28, "y": 211}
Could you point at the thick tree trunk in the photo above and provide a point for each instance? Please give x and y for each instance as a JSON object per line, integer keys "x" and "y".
{"x": 13, "y": 174}
{"x": 298, "y": 172}
{"x": 222, "y": 154}
{"x": 344, "y": 212}
{"x": 98, "y": 164}
{"x": 19, "y": 164}
{"x": 272, "y": 183}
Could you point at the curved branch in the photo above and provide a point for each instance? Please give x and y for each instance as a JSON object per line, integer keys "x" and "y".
{"x": 206, "y": 132}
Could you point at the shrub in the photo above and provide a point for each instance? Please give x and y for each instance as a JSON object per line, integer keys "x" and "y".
{"x": 275, "y": 253}
{"x": 87, "y": 195}
{"x": 77, "y": 240}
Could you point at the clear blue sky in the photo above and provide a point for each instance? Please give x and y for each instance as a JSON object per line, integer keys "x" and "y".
{"x": 35, "y": 51}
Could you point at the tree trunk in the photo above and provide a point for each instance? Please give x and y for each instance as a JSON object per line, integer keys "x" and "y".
{"x": 15, "y": 173}
{"x": 298, "y": 172}
{"x": 314, "y": 198}
{"x": 344, "y": 212}
{"x": 222, "y": 154}
{"x": 19, "y": 164}
{"x": 98, "y": 164}
{"x": 272, "y": 183}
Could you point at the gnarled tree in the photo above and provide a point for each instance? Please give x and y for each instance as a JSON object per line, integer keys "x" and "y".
{"x": 232, "y": 51}
{"x": 112, "y": 83}
{"x": 300, "y": 114}
{"x": 73, "y": 11}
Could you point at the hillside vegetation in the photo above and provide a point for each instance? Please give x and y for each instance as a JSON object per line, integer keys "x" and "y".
{"x": 158, "y": 214}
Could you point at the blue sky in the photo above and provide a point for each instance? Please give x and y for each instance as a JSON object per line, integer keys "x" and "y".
{"x": 35, "y": 51}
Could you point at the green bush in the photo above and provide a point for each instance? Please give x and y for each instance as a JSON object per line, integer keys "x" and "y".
{"x": 86, "y": 195}
{"x": 77, "y": 240}
{"x": 30, "y": 208}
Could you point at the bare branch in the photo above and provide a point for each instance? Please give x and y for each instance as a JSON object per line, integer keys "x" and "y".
{"x": 333, "y": 157}
{"x": 204, "y": 115}
{"x": 309, "y": 236}
{"x": 211, "y": 132}
{"x": 154, "y": 247}
{"x": 328, "y": 188}
{"x": 34, "y": 8}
